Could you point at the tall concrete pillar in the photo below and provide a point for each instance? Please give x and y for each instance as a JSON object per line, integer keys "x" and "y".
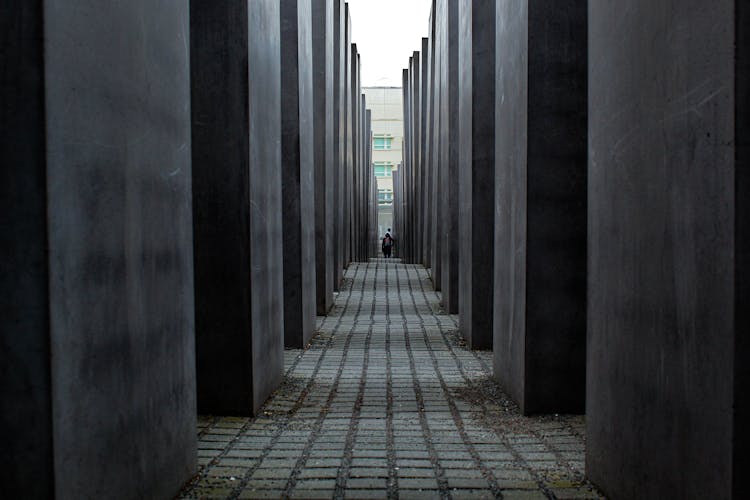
{"x": 354, "y": 159}
{"x": 97, "y": 383}
{"x": 297, "y": 172}
{"x": 324, "y": 130}
{"x": 476, "y": 171}
{"x": 428, "y": 153}
{"x": 405, "y": 234}
{"x": 339, "y": 138}
{"x": 423, "y": 88}
{"x": 416, "y": 158}
{"x": 397, "y": 197}
{"x": 435, "y": 241}
{"x": 237, "y": 203}
{"x": 449, "y": 148}
{"x": 363, "y": 208}
{"x": 356, "y": 156}
{"x": 540, "y": 225}
{"x": 357, "y": 166}
{"x": 667, "y": 384}
{"x": 348, "y": 142}
{"x": 370, "y": 184}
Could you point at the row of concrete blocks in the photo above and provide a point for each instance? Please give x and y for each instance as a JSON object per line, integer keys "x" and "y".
{"x": 182, "y": 185}
{"x": 574, "y": 176}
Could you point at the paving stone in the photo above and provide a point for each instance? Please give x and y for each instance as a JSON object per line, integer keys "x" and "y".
{"x": 369, "y": 462}
{"x": 516, "y": 484}
{"x": 366, "y": 494}
{"x": 466, "y": 483}
{"x": 316, "y": 484}
{"x": 413, "y": 463}
{"x": 226, "y": 472}
{"x": 286, "y": 463}
{"x": 366, "y": 483}
{"x": 329, "y": 472}
{"x": 410, "y": 472}
{"x": 524, "y": 495}
{"x": 260, "y": 494}
{"x": 271, "y": 473}
{"x": 463, "y": 474}
{"x": 368, "y": 472}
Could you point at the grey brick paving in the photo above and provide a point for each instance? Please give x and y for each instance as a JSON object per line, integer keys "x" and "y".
{"x": 388, "y": 403}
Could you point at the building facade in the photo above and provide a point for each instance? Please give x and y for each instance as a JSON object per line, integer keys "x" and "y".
{"x": 386, "y": 104}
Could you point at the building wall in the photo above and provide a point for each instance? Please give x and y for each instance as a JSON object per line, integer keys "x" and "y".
{"x": 386, "y": 104}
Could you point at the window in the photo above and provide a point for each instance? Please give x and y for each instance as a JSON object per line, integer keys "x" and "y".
{"x": 382, "y": 141}
{"x": 383, "y": 169}
{"x": 385, "y": 196}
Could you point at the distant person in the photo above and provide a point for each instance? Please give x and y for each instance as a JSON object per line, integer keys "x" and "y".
{"x": 387, "y": 245}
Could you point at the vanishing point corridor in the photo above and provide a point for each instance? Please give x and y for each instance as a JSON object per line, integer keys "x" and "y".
{"x": 387, "y": 402}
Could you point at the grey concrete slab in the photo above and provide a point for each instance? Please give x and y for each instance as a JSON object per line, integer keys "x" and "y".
{"x": 414, "y": 153}
{"x": 416, "y": 134}
{"x": 364, "y": 170}
{"x": 397, "y": 203}
{"x": 324, "y": 130}
{"x": 360, "y": 172}
{"x": 540, "y": 245}
{"x": 667, "y": 252}
{"x": 365, "y": 183}
{"x": 297, "y": 172}
{"x": 405, "y": 234}
{"x": 96, "y": 277}
{"x": 354, "y": 166}
{"x": 119, "y": 233}
{"x": 449, "y": 148}
{"x": 437, "y": 34}
{"x": 348, "y": 143}
{"x": 428, "y": 153}
{"x": 237, "y": 203}
{"x": 355, "y": 150}
{"x": 371, "y": 190}
{"x": 476, "y": 88}
{"x": 25, "y": 373}
{"x": 741, "y": 249}
{"x": 423, "y": 125}
{"x": 339, "y": 133}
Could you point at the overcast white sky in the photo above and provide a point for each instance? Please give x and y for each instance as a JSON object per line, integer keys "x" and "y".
{"x": 387, "y": 32}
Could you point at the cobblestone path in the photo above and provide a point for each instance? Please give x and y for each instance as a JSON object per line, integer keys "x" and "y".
{"x": 388, "y": 403}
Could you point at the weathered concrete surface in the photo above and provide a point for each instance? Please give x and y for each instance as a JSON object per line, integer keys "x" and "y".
{"x": 423, "y": 127}
{"x": 371, "y": 192}
{"x": 25, "y": 372}
{"x": 346, "y": 192}
{"x": 435, "y": 242}
{"x": 428, "y": 152}
{"x": 297, "y": 171}
{"x": 323, "y": 126}
{"x": 354, "y": 165}
{"x": 449, "y": 149}
{"x": 540, "y": 222}
{"x": 668, "y": 248}
{"x": 339, "y": 134}
{"x": 362, "y": 204}
{"x": 237, "y": 203}
{"x": 397, "y": 210}
{"x": 407, "y": 222}
{"x": 96, "y": 278}
{"x": 741, "y": 249}
{"x": 476, "y": 122}
{"x": 416, "y": 153}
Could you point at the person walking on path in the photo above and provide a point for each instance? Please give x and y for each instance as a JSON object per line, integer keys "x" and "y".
{"x": 387, "y": 245}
